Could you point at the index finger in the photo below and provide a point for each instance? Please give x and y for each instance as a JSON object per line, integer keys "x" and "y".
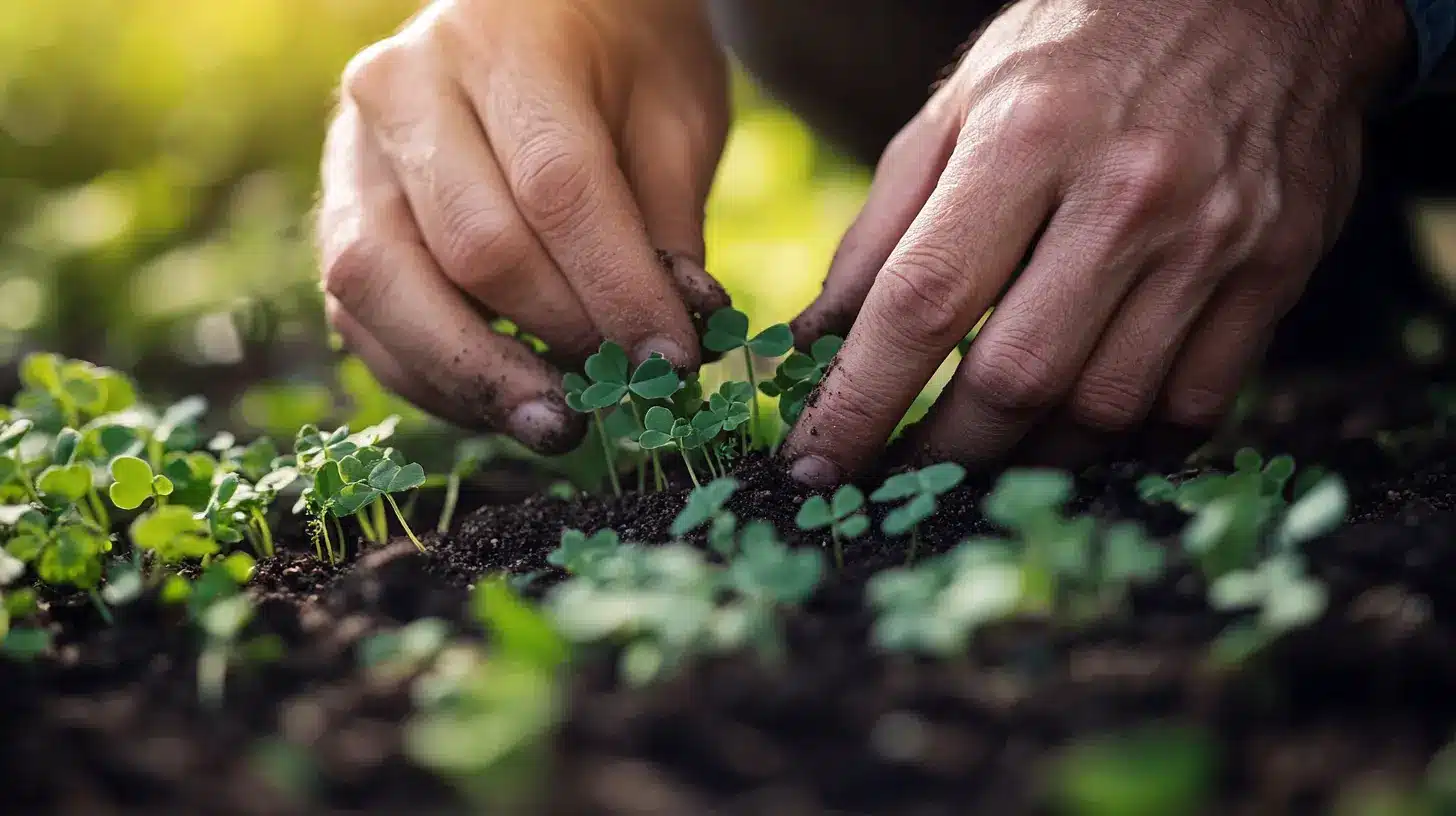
{"x": 561, "y": 163}
{"x": 946, "y": 271}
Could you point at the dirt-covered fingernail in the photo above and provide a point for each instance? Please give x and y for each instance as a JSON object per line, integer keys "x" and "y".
{"x": 665, "y": 346}
{"x": 699, "y": 290}
{"x": 543, "y": 425}
{"x": 816, "y": 471}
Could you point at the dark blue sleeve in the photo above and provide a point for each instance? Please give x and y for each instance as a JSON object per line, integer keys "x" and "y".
{"x": 1434, "y": 25}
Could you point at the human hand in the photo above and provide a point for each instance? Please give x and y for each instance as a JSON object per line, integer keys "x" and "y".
{"x": 524, "y": 161}
{"x": 1174, "y": 168}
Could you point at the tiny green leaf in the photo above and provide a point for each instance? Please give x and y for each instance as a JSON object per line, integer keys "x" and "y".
{"x": 388, "y": 477}
{"x": 727, "y": 330}
{"x": 655, "y": 379}
{"x": 69, "y": 482}
{"x": 814, "y": 514}
{"x": 132, "y": 482}
{"x": 609, "y": 365}
{"x": 847, "y": 499}
{"x": 772, "y": 341}
{"x": 352, "y": 498}
{"x": 904, "y": 518}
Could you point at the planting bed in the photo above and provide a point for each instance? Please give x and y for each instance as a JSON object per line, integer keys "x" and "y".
{"x": 110, "y": 720}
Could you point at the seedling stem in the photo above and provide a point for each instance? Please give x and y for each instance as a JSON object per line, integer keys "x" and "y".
{"x": 403, "y": 523}
{"x": 606, "y": 454}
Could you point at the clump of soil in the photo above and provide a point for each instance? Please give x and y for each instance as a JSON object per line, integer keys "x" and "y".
{"x": 113, "y": 722}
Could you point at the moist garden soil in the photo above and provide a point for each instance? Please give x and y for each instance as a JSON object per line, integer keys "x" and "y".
{"x": 112, "y": 723}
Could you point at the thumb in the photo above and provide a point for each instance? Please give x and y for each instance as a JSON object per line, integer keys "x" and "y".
{"x": 907, "y": 174}
{"x": 670, "y": 164}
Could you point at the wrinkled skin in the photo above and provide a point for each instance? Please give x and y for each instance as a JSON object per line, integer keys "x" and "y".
{"x": 527, "y": 161}
{"x": 1170, "y": 170}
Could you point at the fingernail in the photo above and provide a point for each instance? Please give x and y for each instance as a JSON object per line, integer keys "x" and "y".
{"x": 660, "y": 345}
{"x": 816, "y": 471}
{"x": 541, "y": 424}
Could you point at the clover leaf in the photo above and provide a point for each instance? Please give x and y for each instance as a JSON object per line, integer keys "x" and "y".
{"x": 655, "y": 379}
{"x": 579, "y": 553}
{"x": 173, "y": 533}
{"x": 68, "y": 482}
{"x": 657, "y": 433}
{"x": 133, "y": 483}
{"x": 703, "y": 504}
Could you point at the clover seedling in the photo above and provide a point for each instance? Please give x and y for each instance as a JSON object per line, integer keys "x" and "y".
{"x": 223, "y": 624}
{"x": 1283, "y": 595}
{"x": 797, "y": 375}
{"x": 704, "y": 504}
{"x": 579, "y": 553}
{"x": 935, "y": 606}
{"x": 918, "y": 489}
{"x": 728, "y": 331}
{"x": 133, "y": 483}
{"x": 841, "y": 515}
{"x": 469, "y": 456}
{"x": 483, "y": 715}
{"x": 1070, "y": 568}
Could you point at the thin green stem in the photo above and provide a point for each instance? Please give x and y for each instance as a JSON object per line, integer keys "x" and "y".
{"x": 452, "y": 497}
{"x": 692, "y": 473}
{"x": 100, "y": 606}
{"x": 607, "y": 458}
{"x": 381, "y": 521}
{"x": 102, "y": 517}
{"x": 367, "y": 526}
{"x": 914, "y": 544}
{"x": 323, "y": 524}
{"x": 708, "y": 460}
{"x": 29, "y": 486}
{"x": 343, "y": 539}
{"x": 657, "y": 476}
{"x": 838, "y": 547}
{"x": 264, "y": 533}
{"x": 403, "y": 523}
{"x": 753, "y": 399}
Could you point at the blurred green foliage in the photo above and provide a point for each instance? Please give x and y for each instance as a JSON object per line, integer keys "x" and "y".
{"x": 158, "y": 160}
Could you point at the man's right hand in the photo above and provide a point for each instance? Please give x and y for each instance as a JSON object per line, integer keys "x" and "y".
{"x": 524, "y": 161}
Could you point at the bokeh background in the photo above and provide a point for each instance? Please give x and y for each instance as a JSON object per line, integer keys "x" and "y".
{"x": 158, "y": 160}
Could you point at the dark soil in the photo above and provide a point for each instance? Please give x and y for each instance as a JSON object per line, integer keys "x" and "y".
{"x": 113, "y": 724}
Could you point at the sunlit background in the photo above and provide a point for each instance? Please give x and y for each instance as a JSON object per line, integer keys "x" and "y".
{"x": 158, "y": 160}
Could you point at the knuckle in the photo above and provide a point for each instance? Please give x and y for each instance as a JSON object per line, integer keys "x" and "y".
{"x": 1146, "y": 171}
{"x": 372, "y": 71}
{"x": 1224, "y": 214}
{"x": 1108, "y": 402}
{"x": 479, "y": 246}
{"x": 352, "y": 275}
{"x": 1197, "y": 406}
{"x": 1015, "y": 374}
{"x": 553, "y": 182}
{"x": 1038, "y": 117}
{"x": 923, "y": 290}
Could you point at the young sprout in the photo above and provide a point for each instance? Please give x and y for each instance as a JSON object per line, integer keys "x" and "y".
{"x": 731, "y": 405}
{"x": 656, "y": 435}
{"x": 223, "y": 624}
{"x": 797, "y": 375}
{"x": 133, "y": 483}
{"x": 918, "y": 489}
{"x": 704, "y": 504}
{"x": 612, "y": 380}
{"x": 579, "y": 553}
{"x": 936, "y": 605}
{"x": 469, "y": 456}
{"x": 841, "y": 515}
{"x": 728, "y": 331}
{"x": 1283, "y": 595}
